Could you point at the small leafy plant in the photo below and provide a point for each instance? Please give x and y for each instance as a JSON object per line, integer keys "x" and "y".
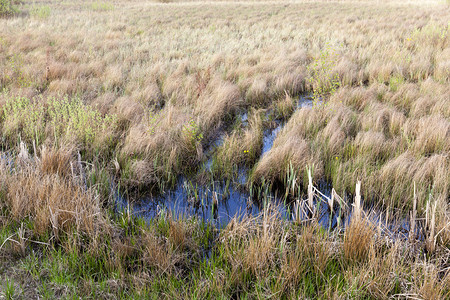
{"x": 192, "y": 132}
{"x": 395, "y": 82}
{"x": 323, "y": 79}
{"x": 71, "y": 118}
{"x": 41, "y": 12}
{"x": 152, "y": 122}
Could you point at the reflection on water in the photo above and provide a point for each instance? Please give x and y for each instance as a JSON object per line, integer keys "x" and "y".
{"x": 269, "y": 138}
{"x": 218, "y": 202}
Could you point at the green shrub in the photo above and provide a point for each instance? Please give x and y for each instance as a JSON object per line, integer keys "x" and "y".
{"x": 69, "y": 120}
{"x": 395, "y": 82}
{"x": 323, "y": 79}
{"x": 25, "y": 117}
{"x": 7, "y": 7}
{"x": 77, "y": 122}
{"x": 192, "y": 133}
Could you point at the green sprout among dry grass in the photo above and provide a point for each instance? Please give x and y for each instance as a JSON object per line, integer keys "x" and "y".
{"x": 109, "y": 100}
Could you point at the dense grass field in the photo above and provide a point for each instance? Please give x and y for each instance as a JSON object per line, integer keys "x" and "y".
{"x": 107, "y": 98}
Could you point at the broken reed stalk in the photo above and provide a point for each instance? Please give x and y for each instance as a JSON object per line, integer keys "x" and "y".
{"x": 413, "y": 216}
{"x": 310, "y": 194}
{"x": 341, "y": 206}
{"x": 23, "y": 152}
{"x": 54, "y": 223}
{"x": 331, "y": 205}
{"x": 379, "y": 229}
{"x": 331, "y": 200}
{"x": 80, "y": 166}
{"x": 22, "y": 239}
{"x": 431, "y": 242}
{"x": 296, "y": 213}
{"x": 387, "y": 216}
{"x": 357, "y": 204}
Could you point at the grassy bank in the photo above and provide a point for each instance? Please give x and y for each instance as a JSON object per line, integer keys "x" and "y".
{"x": 59, "y": 240}
{"x": 99, "y": 97}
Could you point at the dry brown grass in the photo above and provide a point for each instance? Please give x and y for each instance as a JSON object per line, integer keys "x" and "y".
{"x": 158, "y": 255}
{"x": 380, "y": 274}
{"x": 358, "y": 240}
{"x": 59, "y": 162}
{"x": 250, "y": 245}
{"x": 371, "y": 137}
{"x": 279, "y": 257}
{"x": 222, "y": 99}
{"x": 428, "y": 284}
{"x": 291, "y": 146}
{"x": 183, "y": 64}
{"x": 51, "y": 202}
{"x": 174, "y": 75}
{"x": 310, "y": 246}
{"x": 372, "y": 264}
